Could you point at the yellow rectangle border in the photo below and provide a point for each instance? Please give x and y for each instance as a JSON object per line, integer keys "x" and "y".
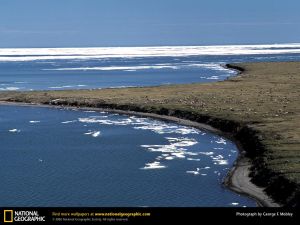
{"x": 11, "y": 216}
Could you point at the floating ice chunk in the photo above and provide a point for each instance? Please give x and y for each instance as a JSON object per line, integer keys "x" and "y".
{"x": 89, "y": 111}
{"x": 191, "y": 159}
{"x": 234, "y": 203}
{"x": 88, "y": 120}
{"x": 191, "y": 153}
{"x": 206, "y": 153}
{"x": 93, "y": 133}
{"x": 221, "y": 141}
{"x": 173, "y": 150}
{"x": 9, "y": 89}
{"x": 170, "y": 158}
{"x": 34, "y": 121}
{"x": 182, "y": 141}
{"x": 96, "y": 134}
{"x": 105, "y": 122}
{"x": 94, "y": 119}
{"x": 187, "y": 131}
{"x": 213, "y": 78}
{"x": 195, "y": 172}
{"x": 221, "y": 162}
{"x": 219, "y": 159}
{"x": 154, "y": 165}
{"x": 161, "y": 128}
{"x": 98, "y": 116}
{"x": 14, "y": 131}
{"x": 178, "y": 154}
{"x": 69, "y": 121}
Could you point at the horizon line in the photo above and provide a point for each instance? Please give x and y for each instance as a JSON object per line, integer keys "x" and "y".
{"x": 149, "y": 46}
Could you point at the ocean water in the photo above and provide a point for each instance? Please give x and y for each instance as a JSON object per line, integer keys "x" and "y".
{"x": 61, "y": 157}
{"x": 86, "y": 68}
{"x": 65, "y": 157}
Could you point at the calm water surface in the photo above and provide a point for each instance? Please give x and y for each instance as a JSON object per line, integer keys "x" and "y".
{"x": 53, "y": 157}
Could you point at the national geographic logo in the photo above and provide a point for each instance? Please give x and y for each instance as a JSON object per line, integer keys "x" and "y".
{"x": 10, "y": 216}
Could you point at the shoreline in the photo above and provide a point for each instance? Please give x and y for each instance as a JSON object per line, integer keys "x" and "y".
{"x": 258, "y": 107}
{"x": 237, "y": 178}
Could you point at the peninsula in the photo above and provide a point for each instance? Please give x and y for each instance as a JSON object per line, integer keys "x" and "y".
{"x": 259, "y": 108}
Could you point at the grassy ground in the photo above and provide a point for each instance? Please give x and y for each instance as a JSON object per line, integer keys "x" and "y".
{"x": 264, "y": 98}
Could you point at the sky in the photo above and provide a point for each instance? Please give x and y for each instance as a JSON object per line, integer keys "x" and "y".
{"x": 97, "y": 23}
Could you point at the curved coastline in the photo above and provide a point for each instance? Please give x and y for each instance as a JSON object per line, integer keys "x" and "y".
{"x": 249, "y": 165}
{"x": 237, "y": 179}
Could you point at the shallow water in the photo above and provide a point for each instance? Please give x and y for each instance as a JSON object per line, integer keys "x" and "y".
{"x": 56, "y": 157}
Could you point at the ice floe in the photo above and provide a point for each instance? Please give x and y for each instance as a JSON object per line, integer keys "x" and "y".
{"x": 69, "y": 121}
{"x": 14, "y": 130}
{"x": 9, "y": 89}
{"x": 104, "y": 121}
{"x": 67, "y": 86}
{"x": 29, "y": 54}
{"x": 195, "y": 172}
{"x": 34, "y": 121}
{"x": 206, "y": 153}
{"x": 176, "y": 149}
{"x": 142, "y": 124}
{"x": 219, "y": 160}
{"x": 178, "y": 146}
{"x": 192, "y": 159}
{"x": 162, "y": 128}
{"x": 198, "y": 171}
{"x": 153, "y": 165}
{"x": 213, "y": 78}
{"x": 93, "y": 133}
{"x": 221, "y": 141}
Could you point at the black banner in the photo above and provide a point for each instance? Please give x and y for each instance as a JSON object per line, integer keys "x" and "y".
{"x": 64, "y": 215}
